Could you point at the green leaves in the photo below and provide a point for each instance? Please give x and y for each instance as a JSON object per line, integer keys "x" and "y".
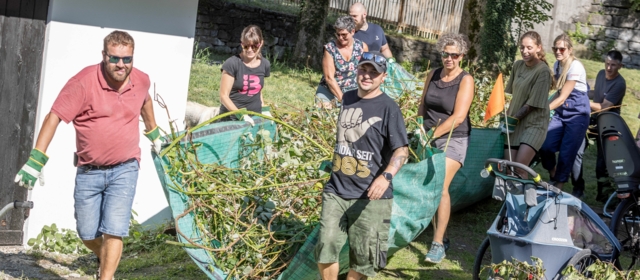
{"x": 63, "y": 241}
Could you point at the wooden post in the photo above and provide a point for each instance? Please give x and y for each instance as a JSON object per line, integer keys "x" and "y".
{"x": 401, "y": 16}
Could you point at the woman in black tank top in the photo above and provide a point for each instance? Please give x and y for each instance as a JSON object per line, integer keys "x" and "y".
{"x": 445, "y": 103}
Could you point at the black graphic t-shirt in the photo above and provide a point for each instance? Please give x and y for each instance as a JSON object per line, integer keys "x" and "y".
{"x": 248, "y": 83}
{"x": 369, "y": 130}
{"x": 373, "y": 37}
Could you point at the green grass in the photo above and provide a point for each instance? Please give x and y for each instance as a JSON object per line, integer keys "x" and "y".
{"x": 287, "y": 86}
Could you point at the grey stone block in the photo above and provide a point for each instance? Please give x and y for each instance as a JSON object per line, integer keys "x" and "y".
{"x": 598, "y": 19}
{"x": 636, "y": 36}
{"x": 601, "y": 45}
{"x": 616, "y": 3}
{"x": 634, "y": 46}
{"x": 588, "y": 43}
{"x": 621, "y": 45}
{"x": 278, "y": 52}
{"x": 615, "y": 11}
{"x": 635, "y": 59}
{"x": 217, "y": 42}
{"x": 626, "y": 21}
{"x": 203, "y": 18}
{"x": 626, "y": 59}
{"x": 213, "y": 33}
{"x": 612, "y": 33}
{"x": 626, "y": 34}
{"x": 223, "y": 34}
{"x": 222, "y": 49}
{"x": 204, "y": 45}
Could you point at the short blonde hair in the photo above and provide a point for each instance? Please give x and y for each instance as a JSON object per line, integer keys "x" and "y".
{"x": 453, "y": 39}
{"x": 118, "y": 38}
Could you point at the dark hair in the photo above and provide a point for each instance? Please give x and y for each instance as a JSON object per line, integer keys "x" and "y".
{"x": 615, "y": 55}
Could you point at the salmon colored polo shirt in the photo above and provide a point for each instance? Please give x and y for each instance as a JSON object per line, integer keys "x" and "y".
{"x": 107, "y": 122}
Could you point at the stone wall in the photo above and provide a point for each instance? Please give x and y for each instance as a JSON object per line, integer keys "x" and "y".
{"x": 611, "y": 24}
{"x": 220, "y": 25}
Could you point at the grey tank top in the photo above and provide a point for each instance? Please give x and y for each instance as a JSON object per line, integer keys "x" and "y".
{"x": 440, "y": 101}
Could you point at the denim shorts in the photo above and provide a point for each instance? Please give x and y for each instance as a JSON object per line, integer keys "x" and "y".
{"x": 364, "y": 223}
{"x": 103, "y": 199}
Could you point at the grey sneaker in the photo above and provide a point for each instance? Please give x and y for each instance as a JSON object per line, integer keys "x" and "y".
{"x": 436, "y": 253}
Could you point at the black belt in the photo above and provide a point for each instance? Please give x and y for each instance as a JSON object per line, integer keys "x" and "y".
{"x": 105, "y": 167}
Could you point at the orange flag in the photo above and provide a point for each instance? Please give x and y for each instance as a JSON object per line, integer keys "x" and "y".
{"x": 496, "y": 99}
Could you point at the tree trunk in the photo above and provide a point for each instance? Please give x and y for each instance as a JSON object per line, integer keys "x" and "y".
{"x": 311, "y": 33}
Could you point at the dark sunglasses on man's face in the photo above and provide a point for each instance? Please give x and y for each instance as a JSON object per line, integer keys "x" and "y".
{"x": 115, "y": 59}
{"x": 561, "y": 50}
{"x": 452, "y": 55}
{"x": 380, "y": 60}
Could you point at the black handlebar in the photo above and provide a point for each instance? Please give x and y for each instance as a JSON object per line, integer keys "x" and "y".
{"x": 535, "y": 176}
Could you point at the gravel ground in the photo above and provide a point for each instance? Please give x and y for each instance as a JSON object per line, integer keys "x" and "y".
{"x": 16, "y": 263}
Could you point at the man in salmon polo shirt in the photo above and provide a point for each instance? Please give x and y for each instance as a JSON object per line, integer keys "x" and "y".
{"x": 104, "y": 102}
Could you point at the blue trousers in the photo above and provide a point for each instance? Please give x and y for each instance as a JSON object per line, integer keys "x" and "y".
{"x": 564, "y": 135}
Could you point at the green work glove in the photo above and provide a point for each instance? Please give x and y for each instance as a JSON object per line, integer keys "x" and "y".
{"x": 509, "y": 125}
{"x": 245, "y": 117}
{"x": 391, "y": 60}
{"x": 154, "y": 137}
{"x": 32, "y": 170}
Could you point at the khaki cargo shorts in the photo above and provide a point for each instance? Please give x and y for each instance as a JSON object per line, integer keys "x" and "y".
{"x": 364, "y": 222}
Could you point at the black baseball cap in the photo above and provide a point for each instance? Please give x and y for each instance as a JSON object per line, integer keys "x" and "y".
{"x": 376, "y": 59}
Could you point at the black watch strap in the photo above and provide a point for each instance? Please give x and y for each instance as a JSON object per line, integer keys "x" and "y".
{"x": 388, "y": 176}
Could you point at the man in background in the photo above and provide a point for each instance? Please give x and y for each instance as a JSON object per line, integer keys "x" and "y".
{"x": 370, "y": 33}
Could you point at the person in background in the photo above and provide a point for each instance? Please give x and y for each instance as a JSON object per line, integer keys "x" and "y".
{"x": 570, "y": 120}
{"x": 369, "y": 33}
{"x": 445, "y": 104}
{"x": 608, "y": 92}
{"x": 528, "y": 114}
{"x": 105, "y": 102}
{"x": 243, "y": 76}
{"x": 357, "y": 205}
{"x": 339, "y": 63}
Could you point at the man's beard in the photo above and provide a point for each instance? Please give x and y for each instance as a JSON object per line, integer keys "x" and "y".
{"x": 112, "y": 73}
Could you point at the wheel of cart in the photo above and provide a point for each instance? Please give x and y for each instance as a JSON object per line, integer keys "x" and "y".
{"x": 622, "y": 157}
{"x": 537, "y": 219}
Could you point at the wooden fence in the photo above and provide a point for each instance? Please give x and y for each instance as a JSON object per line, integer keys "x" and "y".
{"x": 423, "y": 18}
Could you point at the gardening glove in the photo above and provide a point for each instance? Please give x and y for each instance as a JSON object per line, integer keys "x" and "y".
{"x": 509, "y": 125}
{"x": 154, "y": 137}
{"x": 249, "y": 119}
{"x": 391, "y": 60}
{"x": 32, "y": 170}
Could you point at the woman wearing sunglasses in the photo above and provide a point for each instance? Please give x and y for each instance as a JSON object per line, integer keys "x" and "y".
{"x": 340, "y": 63}
{"x": 445, "y": 103}
{"x": 528, "y": 114}
{"x": 571, "y": 117}
{"x": 243, "y": 76}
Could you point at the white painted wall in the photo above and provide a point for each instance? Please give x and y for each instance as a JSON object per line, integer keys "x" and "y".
{"x": 163, "y": 31}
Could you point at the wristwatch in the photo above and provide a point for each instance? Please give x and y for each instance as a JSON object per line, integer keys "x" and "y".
{"x": 387, "y": 176}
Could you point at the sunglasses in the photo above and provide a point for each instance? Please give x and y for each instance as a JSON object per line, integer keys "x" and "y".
{"x": 378, "y": 59}
{"x": 558, "y": 49}
{"x": 253, "y": 47}
{"x": 115, "y": 59}
{"x": 452, "y": 55}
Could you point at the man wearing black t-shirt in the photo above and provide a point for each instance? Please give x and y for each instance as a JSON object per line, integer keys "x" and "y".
{"x": 608, "y": 92}
{"x": 370, "y": 33}
{"x": 371, "y": 146}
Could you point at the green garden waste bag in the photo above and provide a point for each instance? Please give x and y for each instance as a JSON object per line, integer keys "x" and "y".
{"x": 221, "y": 143}
{"x": 399, "y": 80}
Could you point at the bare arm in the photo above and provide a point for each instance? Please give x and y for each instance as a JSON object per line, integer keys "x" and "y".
{"x": 49, "y": 126}
{"x": 523, "y": 111}
{"x": 380, "y": 184}
{"x": 226, "y": 82}
{"x": 600, "y": 106}
{"x": 329, "y": 71}
{"x": 564, "y": 94}
{"x": 424, "y": 93}
{"x": 386, "y": 51}
{"x": 460, "y": 109}
{"x": 148, "y": 117}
